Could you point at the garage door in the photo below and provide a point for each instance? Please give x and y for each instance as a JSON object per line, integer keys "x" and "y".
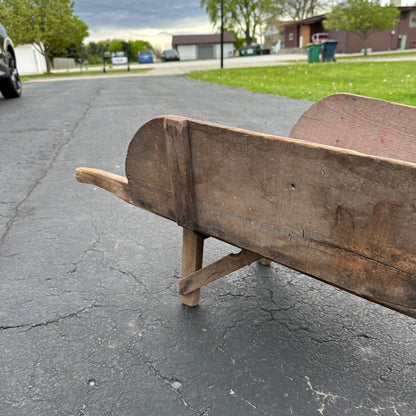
{"x": 205, "y": 51}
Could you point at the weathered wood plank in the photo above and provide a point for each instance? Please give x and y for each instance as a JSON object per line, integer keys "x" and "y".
{"x": 147, "y": 170}
{"x": 180, "y": 168}
{"x": 216, "y": 270}
{"x": 367, "y": 125}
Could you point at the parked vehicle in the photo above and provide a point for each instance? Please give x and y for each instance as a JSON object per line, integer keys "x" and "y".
{"x": 170, "y": 55}
{"x": 319, "y": 37}
{"x": 10, "y": 84}
{"x": 145, "y": 57}
{"x": 119, "y": 58}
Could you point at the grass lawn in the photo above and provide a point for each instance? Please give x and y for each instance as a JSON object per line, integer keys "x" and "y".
{"x": 392, "y": 81}
{"x": 378, "y": 55}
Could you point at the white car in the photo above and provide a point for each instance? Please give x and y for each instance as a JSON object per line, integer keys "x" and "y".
{"x": 118, "y": 58}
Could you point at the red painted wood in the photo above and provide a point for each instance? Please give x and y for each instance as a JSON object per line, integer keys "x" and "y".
{"x": 366, "y": 125}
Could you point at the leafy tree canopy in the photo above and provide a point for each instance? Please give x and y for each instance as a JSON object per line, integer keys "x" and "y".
{"x": 115, "y": 46}
{"x": 362, "y": 17}
{"x": 49, "y": 24}
{"x": 241, "y": 16}
{"x": 95, "y": 50}
{"x": 139, "y": 45}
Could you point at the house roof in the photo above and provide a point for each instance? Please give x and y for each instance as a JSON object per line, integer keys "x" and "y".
{"x": 201, "y": 39}
{"x": 307, "y": 21}
{"x": 316, "y": 19}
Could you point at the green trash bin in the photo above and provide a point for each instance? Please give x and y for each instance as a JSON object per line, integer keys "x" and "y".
{"x": 250, "y": 50}
{"x": 314, "y": 49}
{"x": 328, "y": 50}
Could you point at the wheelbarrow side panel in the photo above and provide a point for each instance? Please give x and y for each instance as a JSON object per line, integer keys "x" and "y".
{"x": 367, "y": 125}
{"x": 147, "y": 170}
{"x": 346, "y": 218}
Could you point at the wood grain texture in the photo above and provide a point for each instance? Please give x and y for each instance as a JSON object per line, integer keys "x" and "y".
{"x": 216, "y": 270}
{"x": 180, "y": 169}
{"x": 343, "y": 217}
{"x": 109, "y": 181}
{"x": 192, "y": 256}
{"x": 367, "y": 125}
{"x": 147, "y": 170}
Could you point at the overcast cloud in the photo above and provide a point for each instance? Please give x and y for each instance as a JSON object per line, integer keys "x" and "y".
{"x": 153, "y": 20}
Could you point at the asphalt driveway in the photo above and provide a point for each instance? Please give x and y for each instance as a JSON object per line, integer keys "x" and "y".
{"x": 90, "y": 319}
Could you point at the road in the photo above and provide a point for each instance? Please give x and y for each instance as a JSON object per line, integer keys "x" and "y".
{"x": 90, "y": 318}
{"x": 184, "y": 67}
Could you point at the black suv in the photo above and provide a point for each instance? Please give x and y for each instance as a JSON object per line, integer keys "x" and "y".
{"x": 170, "y": 55}
{"x": 10, "y": 84}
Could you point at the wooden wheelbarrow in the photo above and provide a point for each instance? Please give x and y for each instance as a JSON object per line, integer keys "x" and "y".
{"x": 336, "y": 200}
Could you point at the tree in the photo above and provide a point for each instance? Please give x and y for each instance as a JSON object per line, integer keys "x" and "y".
{"x": 78, "y": 51}
{"x": 362, "y": 17}
{"x": 139, "y": 45}
{"x": 244, "y": 16}
{"x": 50, "y": 25}
{"x": 301, "y": 9}
{"x": 115, "y": 46}
{"x": 95, "y": 50}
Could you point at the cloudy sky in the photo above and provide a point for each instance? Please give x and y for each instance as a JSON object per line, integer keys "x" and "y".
{"x": 152, "y": 20}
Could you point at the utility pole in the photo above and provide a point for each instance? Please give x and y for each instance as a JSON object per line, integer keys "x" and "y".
{"x": 222, "y": 34}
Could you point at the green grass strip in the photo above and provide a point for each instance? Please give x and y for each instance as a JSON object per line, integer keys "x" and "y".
{"x": 392, "y": 81}
{"x": 377, "y": 55}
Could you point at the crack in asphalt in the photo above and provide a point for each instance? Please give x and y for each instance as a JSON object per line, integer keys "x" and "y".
{"x": 49, "y": 165}
{"x": 147, "y": 289}
{"x": 175, "y": 385}
{"x": 227, "y": 330}
{"x": 30, "y": 326}
{"x": 133, "y": 276}
{"x": 85, "y": 252}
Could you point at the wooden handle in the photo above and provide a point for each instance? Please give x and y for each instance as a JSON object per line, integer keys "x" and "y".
{"x": 115, "y": 184}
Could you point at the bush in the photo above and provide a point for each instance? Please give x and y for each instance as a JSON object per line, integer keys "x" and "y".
{"x": 94, "y": 60}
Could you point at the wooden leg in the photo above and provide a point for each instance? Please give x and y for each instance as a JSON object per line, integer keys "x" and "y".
{"x": 265, "y": 262}
{"x": 192, "y": 251}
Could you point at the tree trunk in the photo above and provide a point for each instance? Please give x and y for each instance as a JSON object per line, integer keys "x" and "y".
{"x": 48, "y": 63}
{"x": 248, "y": 37}
{"x": 365, "y": 44}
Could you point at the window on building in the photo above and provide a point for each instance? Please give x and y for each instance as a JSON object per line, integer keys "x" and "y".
{"x": 412, "y": 19}
{"x": 291, "y": 36}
